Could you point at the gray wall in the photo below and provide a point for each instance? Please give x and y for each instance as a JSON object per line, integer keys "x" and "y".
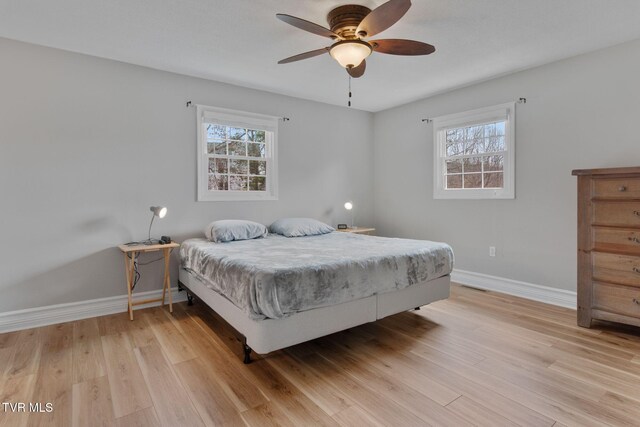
{"x": 83, "y": 141}
{"x": 87, "y": 145}
{"x": 582, "y": 112}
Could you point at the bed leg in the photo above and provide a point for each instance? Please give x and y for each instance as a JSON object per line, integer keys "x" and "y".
{"x": 189, "y": 299}
{"x": 417, "y": 308}
{"x": 180, "y": 288}
{"x": 247, "y": 352}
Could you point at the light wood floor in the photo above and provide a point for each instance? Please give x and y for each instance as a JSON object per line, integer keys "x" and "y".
{"x": 476, "y": 359}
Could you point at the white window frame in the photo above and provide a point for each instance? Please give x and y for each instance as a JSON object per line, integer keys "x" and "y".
{"x": 226, "y": 117}
{"x": 470, "y": 118}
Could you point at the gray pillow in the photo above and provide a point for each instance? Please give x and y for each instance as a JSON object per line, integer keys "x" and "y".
{"x": 298, "y": 227}
{"x": 227, "y": 230}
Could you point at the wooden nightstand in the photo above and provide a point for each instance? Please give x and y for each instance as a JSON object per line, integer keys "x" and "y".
{"x": 130, "y": 254}
{"x": 359, "y": 230}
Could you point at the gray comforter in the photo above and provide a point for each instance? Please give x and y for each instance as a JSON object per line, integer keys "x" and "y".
{"x": 277, "y": 276}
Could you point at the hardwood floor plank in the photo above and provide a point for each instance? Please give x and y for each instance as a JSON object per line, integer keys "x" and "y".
{"x": 520, "y": 393}
{"x": 25, "y": 357}
{"x": 572, "y": 394}
{"x": 173, "y": 343}
{"x": 266, "y": 415}
{"x": 419, "y": 328}
{"x": 91, "y": 403}
{"x": 128, "y": 390}
{"x": 544, "y": 378}
{"x": 478, "y": 358}
{"x": 608, "y": 360}
{"x": 114, "y": 324}
{"x": 593, "y": 373}
{"x": 6, "y": 356}
{"x": 8, "y": 339}
{"x": 297, "y": 407}
{"x": 518, "y": 413}
{"x": 477, "y": 414}
{"x": 412, "y": 400}
{"x": 622, "y": 403}
{"x": 54, "y": 377}
{"x": 140, "y": 333}
{"x": 363, "y": 347}
{"x": 329, "y": 398}
{"x": 209, "y": 399}
{"x": 142, "y": 418}
{"x": 355, "y": 416}
{"x": 381, "y": 408}
{"x": 15, "y": 390}
{"x": 170, "y": 400}
{"x": 234, "y": 382}
{"x": 88, "y": 358}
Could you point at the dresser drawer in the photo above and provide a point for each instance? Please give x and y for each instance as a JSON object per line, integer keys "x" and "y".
{"x": 617, "y": 299}
{"x": 623, "y": 269}
{"x": 618, "y": 188}
{"x": 624, "y": 214}
{"x": 616, "y": 239}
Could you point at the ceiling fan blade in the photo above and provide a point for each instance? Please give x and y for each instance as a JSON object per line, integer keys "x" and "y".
{"x": 358, "y": 71}
{"x": 307, "y": 25}
{"x": 402, "y": 47}
{"x": 305, "y": 55}
{"x": 383, "y": 17}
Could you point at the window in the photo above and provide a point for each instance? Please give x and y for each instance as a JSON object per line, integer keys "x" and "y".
{"x": 236, "y": 155}
{"x": 474, "y": 154}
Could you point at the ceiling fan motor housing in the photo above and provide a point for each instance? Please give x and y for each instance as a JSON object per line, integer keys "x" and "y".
{"x": 345, "y": 19}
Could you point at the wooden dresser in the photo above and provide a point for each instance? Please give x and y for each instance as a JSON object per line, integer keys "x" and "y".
{"x": 609, "y": 245}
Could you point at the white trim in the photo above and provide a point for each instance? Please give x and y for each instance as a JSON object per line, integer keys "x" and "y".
{"x": 243, "y": 119}
{"x": 60, "y": 313}
{"x": 554, "y": 296}
{"x": 473, "y": 116}
{"x": 468, "y": 118}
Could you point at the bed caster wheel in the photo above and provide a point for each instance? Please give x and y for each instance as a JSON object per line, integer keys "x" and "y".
{"x": 189, "y": 299}
{"x": 247, "y": 354}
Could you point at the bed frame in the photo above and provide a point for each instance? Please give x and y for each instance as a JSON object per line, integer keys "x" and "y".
{"x": 267, "y": 335}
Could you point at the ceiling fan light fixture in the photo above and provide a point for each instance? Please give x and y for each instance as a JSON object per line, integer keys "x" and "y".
{"x": 350, "y": 53}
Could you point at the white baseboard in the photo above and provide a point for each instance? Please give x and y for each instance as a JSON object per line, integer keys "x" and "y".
{"x": 559, "y": 297}
{"x": 60, "y": 313}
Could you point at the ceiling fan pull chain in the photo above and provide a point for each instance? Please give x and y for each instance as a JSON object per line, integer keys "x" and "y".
{"x": 349, "y": 103}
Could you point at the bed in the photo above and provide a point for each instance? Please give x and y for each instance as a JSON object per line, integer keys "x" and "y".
{"x": 278, "y": 291}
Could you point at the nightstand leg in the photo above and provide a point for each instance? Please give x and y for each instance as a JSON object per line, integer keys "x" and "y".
{"x": 129, "y": 264}
{"x": 164, "y": 279}
{"x": 167, "y": 278}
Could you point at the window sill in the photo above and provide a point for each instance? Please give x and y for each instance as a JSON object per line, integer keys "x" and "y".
{"x": 240, "y": 196}
{"x": 473, "y": 194}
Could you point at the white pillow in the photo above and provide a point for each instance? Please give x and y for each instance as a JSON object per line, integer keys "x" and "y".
{"x": 298, "y": 227}
{"x": 227, "y": 230}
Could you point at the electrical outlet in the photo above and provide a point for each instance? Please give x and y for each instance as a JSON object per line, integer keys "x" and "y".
{"x": 492, "y": 251}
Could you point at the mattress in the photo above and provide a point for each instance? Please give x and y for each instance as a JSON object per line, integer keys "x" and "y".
{"x": 276, "y": 276}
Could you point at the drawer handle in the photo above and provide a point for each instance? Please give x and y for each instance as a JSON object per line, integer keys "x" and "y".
{"x": 622, "y": 188}
{"x": 636, "y": 213}
{"x": 636, "y": 270}
{"x": 634, "y": 240}
{"x": 635, "y": 300}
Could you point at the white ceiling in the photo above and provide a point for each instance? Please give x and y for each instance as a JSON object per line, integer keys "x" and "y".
{"x": 240, "y": 41}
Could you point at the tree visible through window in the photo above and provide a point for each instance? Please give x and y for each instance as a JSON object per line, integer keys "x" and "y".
{"x": 237, "y": 158}
{"x": 474, "y": 154}
{"x": 238, "y": 155}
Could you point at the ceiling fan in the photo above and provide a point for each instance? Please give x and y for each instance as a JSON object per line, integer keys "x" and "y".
{"x": 350, "y": 26}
